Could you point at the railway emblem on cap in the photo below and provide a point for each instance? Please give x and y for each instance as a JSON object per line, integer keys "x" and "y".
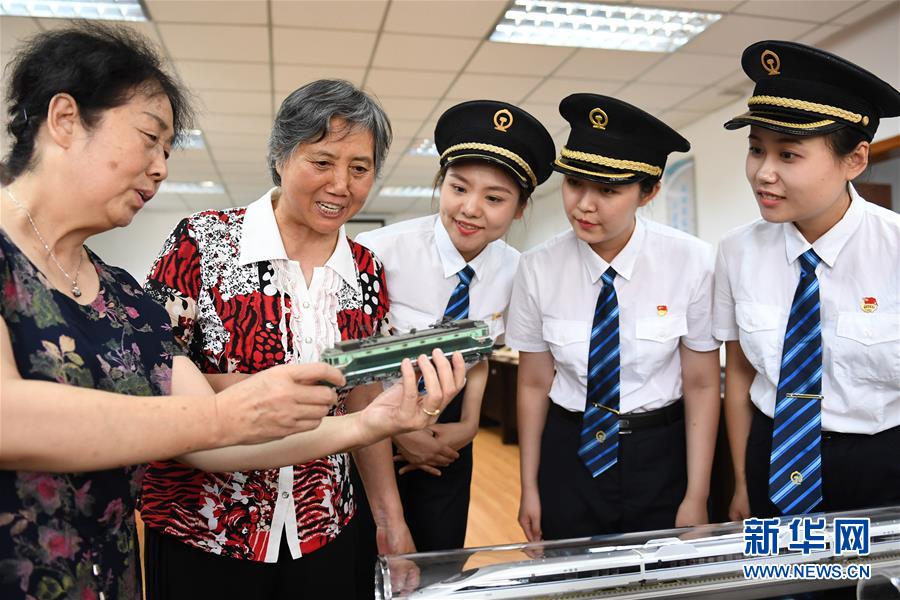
{"x": 598, "y": 118}
{"x": 503, "y": 120}
{"x": 770, "y": 62}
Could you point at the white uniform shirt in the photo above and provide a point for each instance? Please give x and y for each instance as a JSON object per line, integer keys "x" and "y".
{"x": 421, "y": 264}
{"x": 756, "y": 275}
{"x": 664, "y": 290}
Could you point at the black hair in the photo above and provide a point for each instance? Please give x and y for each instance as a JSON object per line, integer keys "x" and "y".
{"x": 524, "y": 192}
{"x": 647, "y": 185}
{"x": 100, "y": 66}
{"x": 844, "y": 141}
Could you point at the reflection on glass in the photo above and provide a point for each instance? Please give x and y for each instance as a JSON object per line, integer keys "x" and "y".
{"x": 705, "y": 561}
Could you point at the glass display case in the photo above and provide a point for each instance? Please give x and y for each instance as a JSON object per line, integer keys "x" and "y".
{"x": 699, "y": 562}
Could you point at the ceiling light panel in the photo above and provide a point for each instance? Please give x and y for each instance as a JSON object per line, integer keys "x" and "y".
{"x": 108, "y": 10}
{"x": 613, "y": 27}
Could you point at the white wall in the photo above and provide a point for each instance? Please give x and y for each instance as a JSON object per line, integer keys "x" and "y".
{"x": 134, "y": 248}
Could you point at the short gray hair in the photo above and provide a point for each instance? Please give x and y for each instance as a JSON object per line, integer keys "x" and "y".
{"x": 305, "y": 117}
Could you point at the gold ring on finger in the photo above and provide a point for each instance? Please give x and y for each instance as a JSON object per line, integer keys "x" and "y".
{"x": 431, "y": 413}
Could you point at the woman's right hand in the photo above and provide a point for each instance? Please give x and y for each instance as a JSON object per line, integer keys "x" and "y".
{"x": 421, "y": 448}
{"x": 276, "y": 402}
{"x": 530, "y": 514}
{"x": 739, "y": 509}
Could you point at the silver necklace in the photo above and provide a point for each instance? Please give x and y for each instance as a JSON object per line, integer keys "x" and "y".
{"x": 76, "y": 291}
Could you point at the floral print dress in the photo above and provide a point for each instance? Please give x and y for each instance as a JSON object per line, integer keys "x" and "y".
{"x": 72, "y": 535}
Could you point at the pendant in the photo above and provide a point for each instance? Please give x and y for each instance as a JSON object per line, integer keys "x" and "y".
{"x": 76, "y": 291}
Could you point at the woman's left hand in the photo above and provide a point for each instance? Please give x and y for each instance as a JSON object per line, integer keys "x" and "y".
{"x": 692, "y": 511}
{"x": 401, "y": 408}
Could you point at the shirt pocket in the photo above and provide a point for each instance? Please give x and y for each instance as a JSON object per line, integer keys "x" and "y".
{"x": 568, "y": 342}
{"x": 656, "y": 338}
{"x": 761, "y": 336}
{"x": 867, "y": 348}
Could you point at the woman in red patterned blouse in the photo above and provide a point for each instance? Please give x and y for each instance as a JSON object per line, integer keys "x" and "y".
{"x": 248, "y": 288}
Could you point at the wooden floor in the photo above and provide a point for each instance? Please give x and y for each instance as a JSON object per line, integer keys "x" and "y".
{"x": 495, "y": 492}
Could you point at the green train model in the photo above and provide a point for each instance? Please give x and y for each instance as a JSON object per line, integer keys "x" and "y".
{"x": 377, "y": 358}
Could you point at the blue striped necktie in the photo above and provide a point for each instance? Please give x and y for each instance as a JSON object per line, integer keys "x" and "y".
{"x": 458, "y": 305}
{"x": 600, "y": 425}
{"x": 795, "y": 468}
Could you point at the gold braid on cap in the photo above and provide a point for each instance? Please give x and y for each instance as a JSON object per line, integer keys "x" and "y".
{"x": 813, "y": 125}
{"x": 494, "y": 150}
{"x": 822, "y": 109}
{"x": 594, "y": 173}
{"x": 605, "y": 161}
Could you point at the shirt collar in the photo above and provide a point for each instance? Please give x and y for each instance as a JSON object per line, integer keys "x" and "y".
{"x": 623, "y": 262}
{"x": 452, "y": 261}
{"x": 261, "y": 241}
{"x": 829, "y": 245}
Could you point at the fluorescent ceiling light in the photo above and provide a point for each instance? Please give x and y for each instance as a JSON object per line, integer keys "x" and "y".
{"x": 192, "y": 140}
{"x": 408, "y": 191}
{"x": 425, "y": 147}
{"x": 613, "y": 27}
{"x": 109, "y": 10}
{"x": 191, "y": 187}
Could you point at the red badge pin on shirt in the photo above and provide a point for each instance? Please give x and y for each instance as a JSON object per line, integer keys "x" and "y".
{"x": 869, "y": 304}
{"x": 662, "y": 310}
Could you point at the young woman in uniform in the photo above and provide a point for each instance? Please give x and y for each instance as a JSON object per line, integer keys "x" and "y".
{"x": 455, "y": 265}
{"x": 618, "y": 371}
{"x": 807, "y": 298}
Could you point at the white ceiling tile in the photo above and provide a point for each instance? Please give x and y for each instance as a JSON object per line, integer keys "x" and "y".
{"x": 290, "y": 77}
{"x": 257, "y": 167}
{"x": 248, "y": 155}
{"x": 239, "y": 103}
{"x": 244, "y": 193}
{"x": 240, "y": 12}
{"x": 254, "y": 141}
{"x": 819, "y": 11}
{"x": 191, "y": 172}
{"x": 191, "y": 155}
{"x": 405, "y": 128}
{"x": 819, "y": 34}
{"x": 652, "y": 96}
{"x": 547, "y": 114}
{"x": 407, "y": 108}
{"x": 216, "y": 42}
{"x": 236, "y": 123}
{"x": 517, "y": 59}
{"x": 423, "y": 172}
{"x": 493, "y": 87}
{"x": 215, "y": 75}
{"x": 700, "y": 69}
{"x": 709, "y": 100}
{"x": 733, "y": 33}
{"x": 555, "y": 89}
{"x": 738, "y": 84}
{"x": 445, "y": 17}
{"x": 320, "y": 47}
{"x": 676, "y": 119}
{"x": 702, "y": 5}
{"x": 13, "y": 31}
{"x": 198, "y": 202}
{"x": 608, "y": 65}
{"x": 412, "y": 84}
{"x": 863, "y": 10}
{"x": 361, "y": 15}
{"x": 423, "y": 52}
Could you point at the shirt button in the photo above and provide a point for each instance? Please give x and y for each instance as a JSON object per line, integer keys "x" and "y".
{"x": 244, "y": 530}
{"x": 270, "y": 325}
{"x": 306, "y": 305}
{"x": 96, "y": 570}
{"x": 868, "y": 333}
{"x": 307, "y": 340}
{"x": 285, "y": 495}
{"x": 101, "y": 596}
